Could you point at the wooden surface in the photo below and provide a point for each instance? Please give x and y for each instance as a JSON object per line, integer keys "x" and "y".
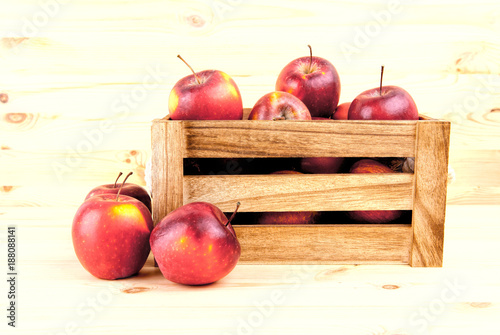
{"x": 56, "y": 293}
{"x": 82, "y": 66}
{"x": 88, "y": 64}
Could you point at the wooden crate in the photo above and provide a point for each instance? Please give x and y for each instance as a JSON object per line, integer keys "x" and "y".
{"x": 423, "y": 192}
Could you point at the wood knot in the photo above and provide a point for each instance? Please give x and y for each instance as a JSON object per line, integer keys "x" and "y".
{"x": 493, "y": 115}
{"x": 12, "y": 42}
{"x": 390, "y": 287}
{"x": 195, "y": 21}
{"x": 15, "y": 117}
{"x": 7, "y": 188}
{"x": 19, "y": 121}
{"x": 4, "y": 98}
{"x": 136, "y": 289}
{"x": 474, "y": 62}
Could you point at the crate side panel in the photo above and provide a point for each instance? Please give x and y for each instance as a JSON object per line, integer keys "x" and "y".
{"x": 268, "y": 193}
{"x": 325, "y": 244}
{"x": 212, "y": 139}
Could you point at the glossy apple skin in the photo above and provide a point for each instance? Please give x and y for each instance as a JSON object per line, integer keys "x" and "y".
{"x": 217, "y": 97}
{"x": 321, "y": 164}
{"x": 393, "y": 104}
{"x": 372, "y": 166}
{"x": 111, "y": 238}
{"x": 130, "y": 189}
{"x": 287, "y": 218}
{"x": 276, "y": 218}
{"x": 341, "y": 111}
{"x": 277, "y": 106}
{"x": 192, "y": 245}
{"x": 318, "y": 89}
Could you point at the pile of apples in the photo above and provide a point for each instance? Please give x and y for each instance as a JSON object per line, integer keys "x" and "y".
{"x": 113, "y": 235}
{"x": 195, "y": 244}
{"x": 307, "y": 88}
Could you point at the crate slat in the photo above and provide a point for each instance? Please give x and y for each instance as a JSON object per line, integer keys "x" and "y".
{"x": 281, "y": 192}
{"x": 260, "y": 139}
{"x": 324, "y": 244}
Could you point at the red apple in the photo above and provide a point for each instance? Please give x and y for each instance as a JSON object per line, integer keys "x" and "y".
{"x": 277, "y": 218}
{"x": 313, "y": 80}
{"x": 205, "y": 95}
{"x": 321, "y": 164}
{"x": 195, "y": 244}
{"x": 372, "y": 166}
{"x": 279, "y": 106}
{"x": 111, "y": 235}
{"x": 320, "y": 118}
{"x": 273, "y": 218}
{"x": 130, "y": 189}
{"x": 341, "y": 111}
{"x": 383, "y": 103}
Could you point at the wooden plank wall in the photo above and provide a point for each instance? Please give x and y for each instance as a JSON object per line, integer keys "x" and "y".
{"x": 84, "y": 79}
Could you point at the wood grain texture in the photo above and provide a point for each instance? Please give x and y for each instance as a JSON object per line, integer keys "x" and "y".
{"x": 31, "y": 143}
{"x": 275, "y": 193}
{"x": 299, "y": 139}
{"x": 476, "y": 179}
{"x": 159, "y": 188}
{"x": 429, "y": 206}
{"x": 167, "y": 167}
{"x": 319, "y": 299}
{"x": 280, "y": 28}
{"x": 325, "y": 244}
{"x": 64, "y": 76}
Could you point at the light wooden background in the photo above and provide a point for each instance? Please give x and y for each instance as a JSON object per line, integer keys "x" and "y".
{"x": 84, "y": 79}
{"x": 89, "y": 59}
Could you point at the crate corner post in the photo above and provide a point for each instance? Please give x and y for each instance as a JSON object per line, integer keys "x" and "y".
{"x": 429, "y": 205}
{"x": 167, "y": 166}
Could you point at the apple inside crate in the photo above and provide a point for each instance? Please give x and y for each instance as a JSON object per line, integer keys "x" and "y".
{"x": 419, "y": 243}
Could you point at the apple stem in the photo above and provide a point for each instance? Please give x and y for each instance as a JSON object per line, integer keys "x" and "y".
{"x": 234, "y": 213}
{"x": 310, "y": 57}
{"x": 120, "y": 189}
{"x": 119, "y": 175}
{"x": 381, "y": 76}
{"x": 189, "y": 66}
